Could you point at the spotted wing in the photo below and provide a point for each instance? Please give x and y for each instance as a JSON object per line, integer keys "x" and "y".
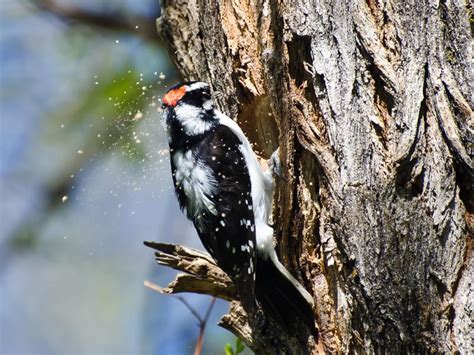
{"x": 228, "y": 231}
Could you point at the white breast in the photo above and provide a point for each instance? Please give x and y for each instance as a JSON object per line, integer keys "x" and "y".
{"x": 196, "y": 181}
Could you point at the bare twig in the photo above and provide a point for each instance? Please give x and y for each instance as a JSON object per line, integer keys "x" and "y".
{"x": 202, "y": 328}
{"x": 201, "y": 321}
{"x": 161, "y": 290}
{"x": 153, "y": 286}
{"x": 191, "y": 309}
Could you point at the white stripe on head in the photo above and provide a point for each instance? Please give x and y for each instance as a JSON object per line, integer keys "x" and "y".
{"x": 208, "y": 105}
{"x": 197, "y": 85}
{"x": 190, "y": 118}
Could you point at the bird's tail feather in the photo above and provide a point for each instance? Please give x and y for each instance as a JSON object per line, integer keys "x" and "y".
{"x": 281, "y": 296}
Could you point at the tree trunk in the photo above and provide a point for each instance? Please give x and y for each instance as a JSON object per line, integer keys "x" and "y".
{"x": 371, "y": 105}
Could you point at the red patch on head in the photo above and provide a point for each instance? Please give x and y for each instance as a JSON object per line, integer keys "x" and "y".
{"x": 172, "y": 97}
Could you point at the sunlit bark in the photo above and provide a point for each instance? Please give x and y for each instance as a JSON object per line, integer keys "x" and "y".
{"x": 371, "y": 105}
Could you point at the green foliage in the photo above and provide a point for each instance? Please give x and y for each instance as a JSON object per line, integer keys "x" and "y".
{"x": 239, "y": 347}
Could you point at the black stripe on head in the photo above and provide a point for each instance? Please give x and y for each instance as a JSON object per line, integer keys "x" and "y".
{"x": 198, "y": 98}
{"x": 197, "y": 94}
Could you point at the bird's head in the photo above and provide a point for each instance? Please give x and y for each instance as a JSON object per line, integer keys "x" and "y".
{"x": 188, "y": 109}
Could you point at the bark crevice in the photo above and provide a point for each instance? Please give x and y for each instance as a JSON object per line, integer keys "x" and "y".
{"x": 371, "y": 106}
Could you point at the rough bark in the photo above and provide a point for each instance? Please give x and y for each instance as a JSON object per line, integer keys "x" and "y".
{"x": 371, "y": 105}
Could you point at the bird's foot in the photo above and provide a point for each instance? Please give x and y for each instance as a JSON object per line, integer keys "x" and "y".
{"x": 275, "y": 164}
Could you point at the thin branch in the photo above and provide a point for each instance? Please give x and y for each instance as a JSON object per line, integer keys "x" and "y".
{"x": 202, "y": 328}
{"x": 201, "y": 321}
{"x": 161, "y": 290}
{"x": 154, "y": 286}
{"x": 141, "y": 26}
{"x": 191, "y": 309}
{"x": 209, "y": 309}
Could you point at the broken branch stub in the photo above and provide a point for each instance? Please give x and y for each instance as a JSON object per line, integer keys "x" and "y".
{"x": 202, "y": 275}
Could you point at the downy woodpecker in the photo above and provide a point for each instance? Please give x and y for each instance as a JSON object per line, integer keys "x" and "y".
{"x": 225, "y": 193}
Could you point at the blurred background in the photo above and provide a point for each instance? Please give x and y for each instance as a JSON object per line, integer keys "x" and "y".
{"x": 84, "y": 179}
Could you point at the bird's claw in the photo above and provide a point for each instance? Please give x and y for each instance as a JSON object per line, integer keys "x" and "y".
{"x": 275, "y": 164}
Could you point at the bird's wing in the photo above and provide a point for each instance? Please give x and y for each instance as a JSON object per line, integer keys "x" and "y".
{"x": 229, "y": 230}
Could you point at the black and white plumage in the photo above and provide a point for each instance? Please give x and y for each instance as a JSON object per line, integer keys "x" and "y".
{"x": 225, "y": 193}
